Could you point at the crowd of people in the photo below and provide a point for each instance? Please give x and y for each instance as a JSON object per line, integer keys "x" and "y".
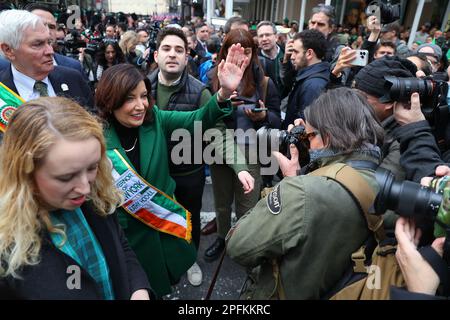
{"x": 101, "y": 184}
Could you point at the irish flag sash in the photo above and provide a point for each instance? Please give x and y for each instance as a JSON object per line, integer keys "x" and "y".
{"x": 146, "y": 203}
{"x": 9, "y": 101}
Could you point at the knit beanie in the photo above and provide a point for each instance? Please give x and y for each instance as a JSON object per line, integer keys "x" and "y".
{"x": 437, "y": 50}
{"x": 370, "y": 79}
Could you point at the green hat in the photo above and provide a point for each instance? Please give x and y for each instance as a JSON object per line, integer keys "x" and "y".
{"x": 286, "y": 20}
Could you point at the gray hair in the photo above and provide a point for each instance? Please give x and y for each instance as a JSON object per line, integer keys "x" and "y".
{"x": 13, "y": 24}
{"x": 328, "y": 11}
{"x": 267, "y": 23}
{"x": 345, "y": 120}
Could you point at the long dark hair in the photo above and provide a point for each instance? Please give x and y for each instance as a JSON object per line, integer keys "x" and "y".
{"x": 101, "y": 59}
{"x": 249, "y": 79}
{"x": 114, "y": 87}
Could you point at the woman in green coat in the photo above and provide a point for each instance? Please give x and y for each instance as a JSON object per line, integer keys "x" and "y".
{"x": 157, "y": 227}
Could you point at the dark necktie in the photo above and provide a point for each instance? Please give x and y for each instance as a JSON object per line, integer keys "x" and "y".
{"x": 41, "y": 88}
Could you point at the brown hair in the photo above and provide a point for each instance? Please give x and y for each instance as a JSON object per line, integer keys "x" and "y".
{"x": 171, "y": 32}
{"x": 115, "y": 85}
{"x": 246, "y": 40}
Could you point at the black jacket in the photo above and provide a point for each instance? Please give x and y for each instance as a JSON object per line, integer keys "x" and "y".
{"x": 66, "y": 82}
{"x": 272, "y": 69}
{"x": 309, "y": 84}
{"x": 49, "y": 278}
{"x": 420, "y": 154}
{"x": 187, "y": 98}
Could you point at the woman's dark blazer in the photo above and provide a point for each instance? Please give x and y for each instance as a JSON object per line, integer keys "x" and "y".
{"x": 57, "y": 276}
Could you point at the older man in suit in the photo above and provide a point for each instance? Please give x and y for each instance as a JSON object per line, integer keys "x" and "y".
{"x": 46, "y": 14}
{"x": 26, "y": 42}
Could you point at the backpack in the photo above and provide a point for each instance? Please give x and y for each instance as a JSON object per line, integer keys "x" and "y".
{"x": 374, "y": 267}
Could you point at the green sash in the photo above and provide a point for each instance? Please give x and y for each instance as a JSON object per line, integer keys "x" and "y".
{"x": 146, "y": 203}
{"x": 9, "y": 101}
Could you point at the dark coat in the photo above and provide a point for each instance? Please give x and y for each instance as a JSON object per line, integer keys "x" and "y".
{"x": 3, "y": 64}
{"x": 67, "y": 62}
{"x": 309, "y": 84}
{"x": 78, "y": 89}
{"x": 420, "y": 154}
{"x": 60, "y": 59}
{"x": 49, "y": 278}
{"x": 200, "y": 50}
{"x": 272, "y": 69}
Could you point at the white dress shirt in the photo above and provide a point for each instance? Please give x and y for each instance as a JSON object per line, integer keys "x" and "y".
{"x": 25, "y": 84}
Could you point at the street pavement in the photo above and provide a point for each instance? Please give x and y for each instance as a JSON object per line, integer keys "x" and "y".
{"x": 231, "y": 276}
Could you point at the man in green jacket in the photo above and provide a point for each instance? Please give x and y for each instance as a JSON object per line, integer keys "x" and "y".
{"x": 298, "y": 241}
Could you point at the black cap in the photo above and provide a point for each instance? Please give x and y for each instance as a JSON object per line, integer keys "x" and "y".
{"x": 371, "y": 78}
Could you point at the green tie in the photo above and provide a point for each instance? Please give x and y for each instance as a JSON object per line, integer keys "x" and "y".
{"x": 41, "y": 88}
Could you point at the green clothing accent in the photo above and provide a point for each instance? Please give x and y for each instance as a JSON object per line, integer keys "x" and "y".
{"x": 237, "y": 162}
{"x": 82, "y": 246}
{"x": 164, "y": 258}
{"x": 164, "y": 93}
{"x": 312, "y": 237}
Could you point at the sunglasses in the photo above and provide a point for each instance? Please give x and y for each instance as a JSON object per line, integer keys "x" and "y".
{"x": 305, "y": 137}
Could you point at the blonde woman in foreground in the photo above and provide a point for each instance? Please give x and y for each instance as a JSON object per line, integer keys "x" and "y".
{"x": 59, "y": 236}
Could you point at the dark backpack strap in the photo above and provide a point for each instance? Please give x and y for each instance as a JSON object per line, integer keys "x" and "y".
{"x": 437, "y": 263}
{"x": 362, "y": 165}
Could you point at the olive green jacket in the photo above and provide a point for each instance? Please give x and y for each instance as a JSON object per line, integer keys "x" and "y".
{"x": 165, "y": 258}
{"x": 312, "y": 238}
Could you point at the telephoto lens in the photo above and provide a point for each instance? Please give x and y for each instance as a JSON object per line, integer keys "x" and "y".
{"x": 401, "y": 89}
{"x": 406, "y": 198}
{"x": 410, "y": 199}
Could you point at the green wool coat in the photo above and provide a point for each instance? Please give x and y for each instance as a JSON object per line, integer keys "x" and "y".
{"x": 165, "y": 258}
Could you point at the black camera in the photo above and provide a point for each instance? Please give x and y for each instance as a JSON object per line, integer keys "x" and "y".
{"x": 433, "y": 99}
{"x": 433, "y": 93}
{"x": 152, "y": 30}
{"x": 283, "y": 139}
{"x": 388, "y": 12}
{"x": 410, "y": 199}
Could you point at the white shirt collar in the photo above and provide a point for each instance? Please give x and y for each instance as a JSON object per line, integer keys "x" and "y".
{"x": 25, "y": 84}
{"x": 164, "y": 83}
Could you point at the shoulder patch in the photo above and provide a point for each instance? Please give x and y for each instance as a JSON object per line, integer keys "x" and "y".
{"x": 274, "y": 200}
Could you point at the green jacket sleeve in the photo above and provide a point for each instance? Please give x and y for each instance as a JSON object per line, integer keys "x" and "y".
{"x": 207, "y": 116}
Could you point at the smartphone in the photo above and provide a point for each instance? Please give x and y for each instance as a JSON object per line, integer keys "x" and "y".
{"x": 259, "y": 109}
{"x": 361, "y": 59}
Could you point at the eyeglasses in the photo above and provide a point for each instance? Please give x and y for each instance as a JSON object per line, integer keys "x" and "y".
{"x": 307, "y": 136}
{"x": 433, "y": 62}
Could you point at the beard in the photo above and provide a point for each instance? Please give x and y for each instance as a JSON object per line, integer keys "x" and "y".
{"x": 301, "y": 64}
